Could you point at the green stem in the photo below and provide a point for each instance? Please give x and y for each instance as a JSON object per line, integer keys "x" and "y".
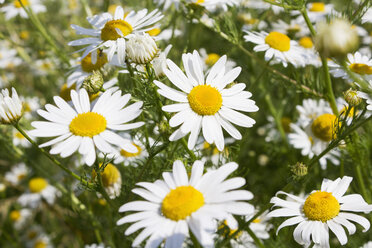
{"x": 361, "y": 7}
{"x": 327, "y": 77}
{"x": 86, "y": 7}
{"x": 51, "y": 158}
{"x": 39, "y": 26}
{"x": 255, "y": 238}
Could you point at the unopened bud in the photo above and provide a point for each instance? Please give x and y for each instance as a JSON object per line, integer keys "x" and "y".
{"x": 336, "y": 39}
{"x": 299, "y": 169}
{"x": 141, "y": 48}
{"x": 352, "y": 98}
{"x": 93, "y": 83}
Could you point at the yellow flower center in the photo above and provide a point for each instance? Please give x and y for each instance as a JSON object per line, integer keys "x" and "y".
{"x": 205, "y": 100}
{"x": 17, "y": 3}
{"x": 294, "y": 29}
{"x": 306, "y": 42}
{"x": 65, "y": 92}
{"x": 129, "y": 154}
{"x": 321, "y": 206}
{"x": 199, "y": 2}
{"x": 109, "y": 30}
{"x": 15, "y": 215}
{"x": 257, "y": 220}
{"x": 350, "y": 114}
{"x": 24, "y": 35}
{"x": 212, "y": 58}
{"x": 323, "y": 127}
{"x": 110, "y": 175}
{"x": 361, "y": 69}
{"x": 88, "y": 124}
{"x": 37, "y": 184}
{"x": 21, "y": 176}
{"x": 286, "y": 122}
{"x": 278, "y": 41}
{"x": 154, "y": 31}
{"x": 18, "y": 135}
{"x": 88, "y": 66}
{"x": 228, "y": 231}
{"x": 317, "y": 7}
{"x": 181, "y": 202}
{"x": 40, "y": 244}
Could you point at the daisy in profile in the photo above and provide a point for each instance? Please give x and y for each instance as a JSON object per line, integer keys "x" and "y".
{"x": 357, "y": 63}
{"x": 15, "y": 8}
{"x": 111, "y": 32}
{"x": 20, "y": 217}
{"x": 17, "y": 174}
{"x": 323, "y": 210}
{"x": 11, "y": 107}
{"x": 206, "y": 103}
{"x": 277, "y": 46}
{"x": 177, "y": 204}
{"x": 84, "y": 128}
{"x": 38, "y": 189}
{"x": 111, "y": 180}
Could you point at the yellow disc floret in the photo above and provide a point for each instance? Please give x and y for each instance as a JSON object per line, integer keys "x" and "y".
{"x": 15, "y": 215}
{"x": 40, "y": 244}
{"x": 317, "y": 7}
{"x": 361, "y": 69}
{"x": 37, "y": 184}
{"x": 129, "y": 154}
{"x": 278, "y": 41}
{"x": 110, "y": 175}
{"x": 17, "y": 3}
{"x": 181, "y": 202}
{"x": 306, "y": 42}
{"x": 324, "y": 127}
{"x": 109, "y": 30}
{"x": 321, "y": 206}
{"x": 88, "y": 124}
{"x": 212, "y": 58}
{"x": 88, "y": 66}
{"x": 205, "y": 100}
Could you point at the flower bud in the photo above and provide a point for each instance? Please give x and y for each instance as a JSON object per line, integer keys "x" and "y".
{"x": 299, "y": 169}
{"x": 352, "y": 98}
{"x": 336, "y": 39}
{"x": 93, "y": 83}
{"x": 141, "y": 48}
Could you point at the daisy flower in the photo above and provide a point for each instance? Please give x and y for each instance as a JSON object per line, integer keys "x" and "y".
{"x": 211, "y": 153}
{"x": 43, "y": 67}
{"x": 164, "y": 35}
{"x": 8, "y": 56}
{"x": 20, "y": 140}
{"x": 205, "y": 102}
{"x": 84, "y": 128}
{"x": 357, "y": 63}
{"x": 111, "y": 180}
{"x": 261, "y": 5}
{"x": 323, "y": 210}
{"x": 176, "y": 204}
{"x": 277, "y": 46}
{"x": 10, "y": 107}
{"x": 317, "y": 11}
{"x": 314, "y": 131}
{"x": 310, "y": 54}
{"x": 30, "y": 106}
{"x": 295, "y": 27}
{"x": 111, "y": 32}
{"x": 15, "y": 8}
{"x": 38, "y": 189}
{"x": 210, "y": 59}
{"x": 16, "y": 174}
{"x": 367, "y": 245}
{"x": 20, "y": 217}
{"x": 250, "y": 22}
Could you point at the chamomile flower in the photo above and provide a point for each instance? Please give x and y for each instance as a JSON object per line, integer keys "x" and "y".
{"x": 205, "y": 103}
{"x": 8, "y": 56}
{"x": 43, "y": 67}
{"x": 177, "y": 204}
{"x": 210, "y": 59}
{"x": 164, "y": 35}
{"x": 38, "y": 189}
{"x": 84, "y": 128}
{"x": 277, "y": 46}
{"x": 15, "y": 8}
{"x": 367, "y": 245}
{"x": 295, "y": 27}
{"x": 111, "y": 31}
{"x": 310, "y": 54}
{"x": 16, "y": 174}
{"x": 20, "y": 217}
{"x": 357, "y": 63}
{"x": 323, "y": 210}
{"x": 141, "y": 48}
{"x": 317, "y": 11}
{"x": 211, "y": 153}
{"x": 20, "y": 140}
{"x": 10, "y": 107}
{"x": 261, "y": 5}
{"x": 43, "y": 241}
{"x": 30, "y": 106}
{"x": 314, "y": 131}
{"x": 160, "y": 62}
{"x": 250, "y": 22}
{"x": 111, "y": 180}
